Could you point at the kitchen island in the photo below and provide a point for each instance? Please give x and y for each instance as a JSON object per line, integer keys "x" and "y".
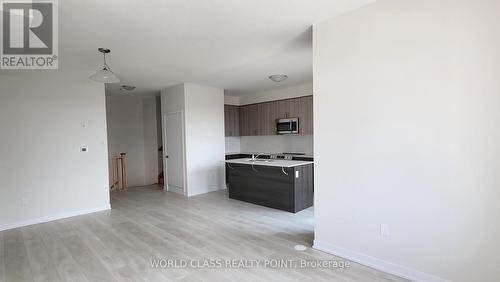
{"x": 281, "y": 184}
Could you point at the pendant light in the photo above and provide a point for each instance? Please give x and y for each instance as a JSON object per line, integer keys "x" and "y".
{"x": 105, "y": 75}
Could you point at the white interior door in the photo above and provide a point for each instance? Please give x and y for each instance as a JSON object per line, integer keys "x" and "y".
{"x": 173, "y": 151}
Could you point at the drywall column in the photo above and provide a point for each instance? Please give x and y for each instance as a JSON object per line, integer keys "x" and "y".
{"x": 203, "y": 109}
{"x": 205, "y": 143}
{"x": 407, "y": 136}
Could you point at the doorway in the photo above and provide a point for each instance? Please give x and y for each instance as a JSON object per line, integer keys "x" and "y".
{"x": 174, "y": 152}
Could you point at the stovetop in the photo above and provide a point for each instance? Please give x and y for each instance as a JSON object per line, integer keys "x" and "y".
{"x": 294, "y": 154}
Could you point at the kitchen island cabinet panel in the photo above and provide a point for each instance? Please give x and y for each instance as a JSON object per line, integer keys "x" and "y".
{"x": 304, "y": 197}
{"x": 289, "y": 189}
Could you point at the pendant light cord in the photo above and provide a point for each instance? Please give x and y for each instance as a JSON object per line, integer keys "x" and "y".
{"x": 105, "y": 64}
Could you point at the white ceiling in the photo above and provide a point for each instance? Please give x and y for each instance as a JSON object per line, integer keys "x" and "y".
{"x": 230, "y": 44}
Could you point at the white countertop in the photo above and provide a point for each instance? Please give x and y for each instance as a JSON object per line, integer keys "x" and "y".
{"x": 263, "y": 162}
{"x": 261, "y": 153}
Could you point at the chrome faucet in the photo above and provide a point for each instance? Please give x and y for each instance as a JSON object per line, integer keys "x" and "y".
{"x": 254, "y": 157}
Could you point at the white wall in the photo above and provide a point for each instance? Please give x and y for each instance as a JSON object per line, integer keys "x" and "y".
{"x": 300, "y": 90}
{"x": 125, "y": 134}
{"x": 150, "y": 134}
{"x": 233, "y": 144}
{"x": 132, "y": 129}
{"x": 172, "y": 99}
{"x": 231, "y": 100}
{"x": 407, "y": 133}
{"x": 45, "y": 117}
{"x": 203, "y": 109}
{"x": 205, "y": 145}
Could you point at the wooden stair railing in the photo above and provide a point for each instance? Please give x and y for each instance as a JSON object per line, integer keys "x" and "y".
{"x": 119, "y": 173}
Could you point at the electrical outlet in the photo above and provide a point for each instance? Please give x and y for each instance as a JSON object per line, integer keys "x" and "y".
{"x": 384, "y": 230}
{"x": 24, "y": 202}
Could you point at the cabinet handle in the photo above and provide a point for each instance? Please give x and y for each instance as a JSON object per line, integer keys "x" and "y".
{"x": 284, "y": 172}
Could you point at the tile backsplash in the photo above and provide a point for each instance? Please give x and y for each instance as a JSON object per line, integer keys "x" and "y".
{"x": 271, "y": 144}
{"x": 233, "y": 144}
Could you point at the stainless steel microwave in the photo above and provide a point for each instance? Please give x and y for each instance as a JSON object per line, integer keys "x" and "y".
{"x": 287, "y": 126}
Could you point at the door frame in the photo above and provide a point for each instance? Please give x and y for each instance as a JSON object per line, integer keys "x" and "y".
{"x": 165, "y": 150}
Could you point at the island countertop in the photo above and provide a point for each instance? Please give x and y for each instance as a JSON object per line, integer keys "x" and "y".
{"x": 268, "y": 162}
{"x": 301, "y": 155}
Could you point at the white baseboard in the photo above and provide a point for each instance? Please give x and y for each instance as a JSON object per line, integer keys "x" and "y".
{"x": 51, "y": 218}
{"x": 205, "y": 192}
{"x": 385, "y": 266}
{"x": 175, "y": 189}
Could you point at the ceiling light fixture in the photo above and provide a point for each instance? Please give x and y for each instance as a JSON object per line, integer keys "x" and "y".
{"x": 105, "y": 75}
{"x": 278, "y": 77}
{"x": 127, "y": 87}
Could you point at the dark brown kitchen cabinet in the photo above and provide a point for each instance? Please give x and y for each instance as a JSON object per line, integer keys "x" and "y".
{"x": 306, "y": 115}
{"x": 257, "y": 119}
{"x": 273, "y": 116}
{"x": 260, "y": 119}
{"x": 289, "y": 108}
{"x": 232, "y": 120}
{"x": 226, "y": 120}
{"x": 283, "y": 108}
{"x": 265, "y": 126}
{"x": 254, "y": 119}
{"x": 243, "y": 121}
{"x": 249, "y": 120}
{"x": 301, "y": 108}
{"x": 290, "y": 189}
{"x": 294, "y": 108}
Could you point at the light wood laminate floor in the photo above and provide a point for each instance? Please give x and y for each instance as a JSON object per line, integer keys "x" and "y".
{"x": 147, "y": 223}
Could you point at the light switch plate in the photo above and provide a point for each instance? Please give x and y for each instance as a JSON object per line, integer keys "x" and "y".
{"x": 297, "y": 175}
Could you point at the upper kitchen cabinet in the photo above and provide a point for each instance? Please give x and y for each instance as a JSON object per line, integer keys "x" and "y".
{"x": 273, "y": 116}
{"x": 249, "y": 120}
{"x": 232, "y": 120}
{"x": 289, "y": 108}
{"x": 306, "y": 115}
{"x": 260, "y": 119}
{"x": 301, "y": 108}
{"x": 283, "y": 108}
{"x": 243, "y": 120}
{"x": 255, "y": 120}
{"x": 266, "y": 123}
